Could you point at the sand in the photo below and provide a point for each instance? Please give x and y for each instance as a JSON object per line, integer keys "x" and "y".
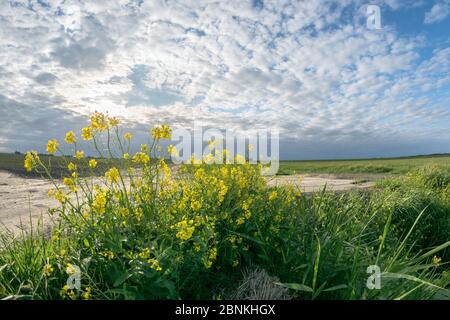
{"x": 22, "y": 198}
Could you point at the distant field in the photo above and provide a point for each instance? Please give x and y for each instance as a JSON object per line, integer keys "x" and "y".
{"x": 14, "y": 163}
{"x": 366, "y": 166}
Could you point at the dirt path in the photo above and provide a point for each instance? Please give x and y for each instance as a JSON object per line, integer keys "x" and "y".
{"x": 314, "y": 183}
{"x": 20, "y": 197}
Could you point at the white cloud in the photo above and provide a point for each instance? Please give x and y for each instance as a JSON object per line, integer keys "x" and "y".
{"x": 438, "y": 12}
{"x": 298, "y": 66}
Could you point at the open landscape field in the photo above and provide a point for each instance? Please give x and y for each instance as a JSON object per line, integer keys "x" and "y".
{"x": 364, "y": 166}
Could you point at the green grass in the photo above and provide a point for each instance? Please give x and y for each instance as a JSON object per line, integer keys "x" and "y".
{"x": 365, "y": 166}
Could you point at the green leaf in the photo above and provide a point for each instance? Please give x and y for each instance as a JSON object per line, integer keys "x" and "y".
{"x": 295, "y": 286}
{"x": 124, "y": 277}
{"x": 338, "y": 287}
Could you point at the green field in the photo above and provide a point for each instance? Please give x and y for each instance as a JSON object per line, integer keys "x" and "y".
{"x": 366, "y": 166}
{"x": 57, "y": 165}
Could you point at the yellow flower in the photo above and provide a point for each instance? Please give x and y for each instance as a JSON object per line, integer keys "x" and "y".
{"x": 172, "y": 150}
{"x": 144, "y": 147}
{"x": 60, "y": 196}
{"x": 273, "y": 195}
{"x": 99, "y": 203}
{"x": 99, "y": 121}
{"x": 154, "y": 264}
{"x": 437, "y": 260}
{"x": 31, "y": 159}
{"x": 70, "y": 269}
{"x": 48, "y": 270}
{"x": 72, "y": 167}
{"x": 93, "y": 163}
{"x": 161, "y": 132}
{"x": 65, "y": 292}
{"x": 70, "y": 183}
{"x": 240, "y": 221}
{"x": 127, "y": 136}
{"x": 211, "y": 257}
{"x": 185, "y": 234}
{"x": 141, "y": 157}
{"x": 196, "y": 205}
{"x": 126, "y": 156}
{"x": 86, "y": 133}
{"x": 113, "y": 175}
{"x": 108, "y": 254}
{"x": 50, "y": 193}
{"x": 70, "y": 137}
{"x": 113, "y": 122}
{"x": 86, "y": 294}
{"x": 52, "y": 146}
{"x": 79, "y": 154}
{"x": 144, "y": 254}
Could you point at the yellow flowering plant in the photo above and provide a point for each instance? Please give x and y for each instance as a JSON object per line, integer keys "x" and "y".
{"x": 134, "y": 221}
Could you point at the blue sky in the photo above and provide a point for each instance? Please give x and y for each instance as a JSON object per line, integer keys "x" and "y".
{"x": 333, "y": 87}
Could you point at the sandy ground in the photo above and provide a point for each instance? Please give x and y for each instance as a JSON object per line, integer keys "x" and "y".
{"x": 20, "y": 197}
{"x": 314, "y": 183}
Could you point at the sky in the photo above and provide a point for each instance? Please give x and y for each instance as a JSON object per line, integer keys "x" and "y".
{"x": 317, "y": 71}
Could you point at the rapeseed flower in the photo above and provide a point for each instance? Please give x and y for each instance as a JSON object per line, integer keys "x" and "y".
{"x": 92, "y": 163}
{"x": 48, "y": 270}
{"x": 79, "y": 154}
{"x": 99, "y": 121}
{"x": 71, "y": 269}
{"x": 70, "y": 137}
{"x": 141, "y": 158}
{"x": 162, "y": 132}
{"x": 154, "y": 264}
{"x": 128, "y": 136}
{"x": 86, "y": 294}
{"x": 87, "y": 133}
{"x": 72, "y": 167}
{"x": 99, "y": 203}
{"x": 437, "y": 260}
{"x": 172, "y": 150}
{"x": 52, "y": 146}
{"x": 108, "y": 254}
{"x": 31, "y": 160}
{"x": 113, "y": 122}
{"x": 113, "y": 175}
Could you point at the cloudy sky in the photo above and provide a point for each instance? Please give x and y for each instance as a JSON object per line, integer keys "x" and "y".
{"x": 314, "y": 70}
